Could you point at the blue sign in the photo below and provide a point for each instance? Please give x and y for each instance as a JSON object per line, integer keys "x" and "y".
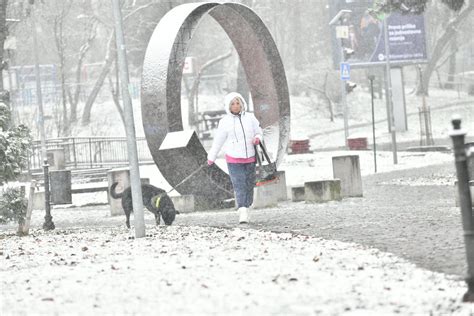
{"x": 345, "y": 71}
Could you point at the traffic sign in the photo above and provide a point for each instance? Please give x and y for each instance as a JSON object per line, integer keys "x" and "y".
{"x": 345, "y": 71}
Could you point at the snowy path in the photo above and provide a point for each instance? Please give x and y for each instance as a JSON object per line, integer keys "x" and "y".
{"x": 196, "y": 270}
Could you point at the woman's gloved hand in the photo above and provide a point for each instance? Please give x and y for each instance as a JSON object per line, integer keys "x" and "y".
{"x": 210, "y": 162}
{"x": 256, "y": 141}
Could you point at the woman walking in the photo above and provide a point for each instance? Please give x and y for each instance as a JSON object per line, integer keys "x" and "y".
{"x": 238, "y": 132}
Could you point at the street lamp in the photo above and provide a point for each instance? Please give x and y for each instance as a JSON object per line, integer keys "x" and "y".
{"x": 48, "y": 219}
{"x": 129, "y": 123}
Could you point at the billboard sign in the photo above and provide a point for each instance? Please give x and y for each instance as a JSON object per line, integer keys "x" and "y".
{"x": 406, "y": 36}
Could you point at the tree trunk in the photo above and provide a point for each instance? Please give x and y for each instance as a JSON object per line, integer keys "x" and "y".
{"x": 86, "y": 114}
{"x": 115, "y": 92}
{"x": 452, "y": 64}
{"x": 74, "y": 99}
{"x": 330, "y": 107}
{"x": 61, "y": 51}
{"x": 3, "y": 36}
{"x": 65, "y": 127}
{"x": 440, "y": 46}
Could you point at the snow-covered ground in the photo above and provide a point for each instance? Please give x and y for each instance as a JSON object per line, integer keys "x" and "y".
{"x": 201, "y": 271}
{"x": 91, "y": 264}
{"x": 204, "y": 270}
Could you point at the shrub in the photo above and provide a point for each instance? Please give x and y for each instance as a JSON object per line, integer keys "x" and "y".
{"x": 15, "y": 142}
{"x": 13, "y": 205}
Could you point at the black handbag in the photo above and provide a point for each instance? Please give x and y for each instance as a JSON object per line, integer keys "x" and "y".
{"x": 264, "y": 172}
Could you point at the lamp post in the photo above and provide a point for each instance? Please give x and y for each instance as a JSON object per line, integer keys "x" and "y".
{"x": 129, "y": 124}
{"x": 337, "y": 20}
{"x": 48, "y": 219}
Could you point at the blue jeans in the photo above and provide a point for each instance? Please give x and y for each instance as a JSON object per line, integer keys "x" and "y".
{"x": 242, "y": 176}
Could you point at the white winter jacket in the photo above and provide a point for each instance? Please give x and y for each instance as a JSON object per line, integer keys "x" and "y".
{"x": 236, "y": 132}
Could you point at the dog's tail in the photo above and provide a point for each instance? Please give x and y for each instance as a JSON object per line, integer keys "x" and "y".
{"x": 113, "y": 193}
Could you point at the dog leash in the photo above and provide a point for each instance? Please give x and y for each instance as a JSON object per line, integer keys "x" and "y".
{"x": 157, "y": 201}
{"x": 186, "y": 179}
{"x": 192, "y": 174}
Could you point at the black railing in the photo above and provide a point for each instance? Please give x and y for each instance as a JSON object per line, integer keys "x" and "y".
{"x": 90, "y": 152}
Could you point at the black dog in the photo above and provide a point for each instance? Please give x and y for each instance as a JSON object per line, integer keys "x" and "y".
{"x": 150, "y": 195}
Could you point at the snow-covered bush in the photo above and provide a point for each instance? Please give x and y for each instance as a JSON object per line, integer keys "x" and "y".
{"x": 15, "y": 142}
{"x": 13, "y": 205}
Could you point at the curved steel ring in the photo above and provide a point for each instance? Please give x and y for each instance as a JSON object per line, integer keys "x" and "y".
{"x": 161, "y": 90}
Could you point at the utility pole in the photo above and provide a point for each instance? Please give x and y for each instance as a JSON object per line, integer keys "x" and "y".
{"x": 344, "y": 103}
{"x": 338, "y": 20}
{"x": 388, "y": 90}
{"x": 129, "y": 124}
{"x": 48, "y": 219}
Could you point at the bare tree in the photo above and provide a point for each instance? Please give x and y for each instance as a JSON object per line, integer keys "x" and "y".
{"x": 115, "y": 91}
{"x": 442, "y": 42}
{"x": 73, "y": 34}
{"x": 89, "y": 37}
{"x": 110, "y": 56}
{"x": 58, "y": 21}
{"x": 323, "y": 92}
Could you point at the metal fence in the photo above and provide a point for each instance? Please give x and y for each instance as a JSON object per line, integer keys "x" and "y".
{"x": 90, "y": 152}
